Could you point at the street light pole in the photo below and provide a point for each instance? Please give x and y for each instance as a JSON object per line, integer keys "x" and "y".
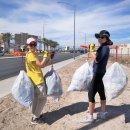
{"x": 74, "y": 7}
{"x": 43, "y": 38}
{"x": 74, "y": 30}
{"x": 44, "y": 46}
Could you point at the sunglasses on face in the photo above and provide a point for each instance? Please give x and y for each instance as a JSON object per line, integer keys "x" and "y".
{"x": 102, "y": 37}
{"x": 33, "y": 44}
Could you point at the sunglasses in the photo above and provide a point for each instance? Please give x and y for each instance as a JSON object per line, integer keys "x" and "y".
{"x": 102, "y": 37}
{"x": 32, "y": 44}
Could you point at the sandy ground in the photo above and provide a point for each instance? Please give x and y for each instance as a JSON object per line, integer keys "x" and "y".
{"x": 67, "y": 113}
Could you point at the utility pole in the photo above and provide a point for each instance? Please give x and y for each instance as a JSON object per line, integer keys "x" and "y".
{"x": 43, "y": 38}
{"x": 74, "y": 8}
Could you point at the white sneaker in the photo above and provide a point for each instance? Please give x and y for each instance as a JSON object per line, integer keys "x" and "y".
{"x": 87, "y": 110}
{"x": 36, "y": 121}
{"x": 102, "y": 115}
{"x": 87, "y": 119}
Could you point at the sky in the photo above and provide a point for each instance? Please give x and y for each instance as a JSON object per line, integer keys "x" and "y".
{"x": 57, "y": 19}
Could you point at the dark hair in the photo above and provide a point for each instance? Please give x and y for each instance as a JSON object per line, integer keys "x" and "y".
{"x": 33, "y": 42}
{"x": 109, "y": 42}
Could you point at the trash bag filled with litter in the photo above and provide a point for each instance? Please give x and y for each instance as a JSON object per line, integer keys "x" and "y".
{"x": 23, "y": 90}
{"x": 53, "y": 84}
{"x": 82, "y": 78}
{"x": 115, "y": 81}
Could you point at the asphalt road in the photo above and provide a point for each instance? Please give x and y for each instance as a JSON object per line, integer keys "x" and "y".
{"x": 11, "y": 66}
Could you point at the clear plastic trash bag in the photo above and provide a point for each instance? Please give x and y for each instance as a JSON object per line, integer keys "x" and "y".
{"x": 53, "y": 84}
{"x": 23, "y": 89}
{"x": 82, "y": 78}
{"x": 115, "y": 81}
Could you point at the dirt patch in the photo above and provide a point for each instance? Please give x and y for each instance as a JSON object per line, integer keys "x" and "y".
{"x": 67, "y": 113}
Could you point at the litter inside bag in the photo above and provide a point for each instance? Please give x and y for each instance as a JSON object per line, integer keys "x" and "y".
{"x": 23, "y": 90}
{"x": 82, "y": 78}
{"x": 53, "y": 84}
{"x": 115, "y": 81}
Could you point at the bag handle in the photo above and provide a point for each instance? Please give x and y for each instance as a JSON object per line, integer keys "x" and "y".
{"x": 52, "y": 63}
{"x": 22, "y": 62}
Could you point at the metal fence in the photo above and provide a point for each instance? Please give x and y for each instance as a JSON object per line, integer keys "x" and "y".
{"x": 121, "y": 55}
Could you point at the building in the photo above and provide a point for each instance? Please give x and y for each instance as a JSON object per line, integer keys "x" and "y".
{"x": 20, "y": 39}
{"x": 9, "y": 41}
{"x": 12, "y": 41}
{"x": 121, "y": 49}
{"x": 67, "y": 48}
{"x": 40, "y": 46}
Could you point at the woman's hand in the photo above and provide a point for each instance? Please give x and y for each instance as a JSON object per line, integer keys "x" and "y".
{"x": 45, "y": 54}
{"x": 94, "y": 55}
{"x": 52, "y": 54}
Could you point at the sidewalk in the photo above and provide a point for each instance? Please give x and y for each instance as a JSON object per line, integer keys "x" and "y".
{"x": 6, "y": 85}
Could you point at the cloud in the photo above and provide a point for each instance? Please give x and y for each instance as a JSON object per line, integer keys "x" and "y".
{"x": 121, "y": 40}
{"x": 58, "y": 20}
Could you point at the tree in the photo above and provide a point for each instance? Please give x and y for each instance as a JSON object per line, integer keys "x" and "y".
{"x": 1, "y": 39}
{"x": 46, "y": 43}
{"x": 6, "y": 40}
{"x": 53, "y": 44}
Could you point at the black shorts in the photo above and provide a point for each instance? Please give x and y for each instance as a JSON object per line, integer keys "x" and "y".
{"x": 96, "y": 86}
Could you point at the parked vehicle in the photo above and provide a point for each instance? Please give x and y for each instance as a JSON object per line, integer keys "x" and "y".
{"x": 1, "y": 53}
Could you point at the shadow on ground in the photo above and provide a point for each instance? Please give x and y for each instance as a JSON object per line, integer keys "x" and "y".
{"x": 113, "y": 112}
{"x": 51, "y": 117}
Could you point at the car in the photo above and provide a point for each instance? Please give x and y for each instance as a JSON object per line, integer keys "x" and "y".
{"x": 2, "y": 53}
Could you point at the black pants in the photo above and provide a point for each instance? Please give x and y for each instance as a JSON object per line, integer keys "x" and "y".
{"x": 96, "y": 86}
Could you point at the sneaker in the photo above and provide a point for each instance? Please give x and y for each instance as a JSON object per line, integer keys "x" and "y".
{"x": 87, "y": 119}
{"x": 36, "y": 121}
{"x": 102, "y": 115}
{"x": 87, "y": 110}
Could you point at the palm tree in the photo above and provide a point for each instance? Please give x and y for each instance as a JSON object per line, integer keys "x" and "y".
{"x": 6, "y": 40}
{"x": 46, "y": 43}
{"x": 1, "y": 39}
{"x": 53, "y": 44}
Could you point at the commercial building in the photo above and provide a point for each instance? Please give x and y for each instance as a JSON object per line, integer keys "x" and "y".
{"x": 20, "y": 39}
{"x": 121, "y": 49}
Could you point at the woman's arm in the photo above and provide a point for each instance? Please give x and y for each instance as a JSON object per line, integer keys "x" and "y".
{"x": 100, "y": 56}
{"x": 94, "y": 55}
{"x": 41, "y": 64}
{"x": 47, "y": 57}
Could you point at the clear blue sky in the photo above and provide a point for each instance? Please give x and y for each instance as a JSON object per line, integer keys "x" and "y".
{"x": 91, "y": 17}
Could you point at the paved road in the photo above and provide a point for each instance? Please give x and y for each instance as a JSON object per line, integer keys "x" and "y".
{"x": 11, "y": 66}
